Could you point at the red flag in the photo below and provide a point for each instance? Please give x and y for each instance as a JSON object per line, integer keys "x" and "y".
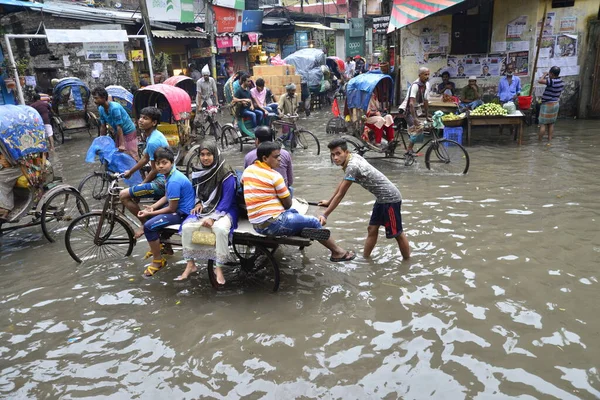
{"x": 335, "y": 109}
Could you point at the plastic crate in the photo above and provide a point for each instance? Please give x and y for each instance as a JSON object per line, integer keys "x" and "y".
{"x": 453, "y": 134}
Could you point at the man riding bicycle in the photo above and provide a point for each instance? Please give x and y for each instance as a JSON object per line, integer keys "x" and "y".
{"x": 417, "y": 96}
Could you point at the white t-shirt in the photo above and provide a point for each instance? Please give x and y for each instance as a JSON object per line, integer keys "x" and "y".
{"x": 412, "y": 93}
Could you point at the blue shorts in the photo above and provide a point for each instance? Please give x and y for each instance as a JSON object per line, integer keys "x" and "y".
{"x": 388, "y": 215}
{"x": 154, "y": 189}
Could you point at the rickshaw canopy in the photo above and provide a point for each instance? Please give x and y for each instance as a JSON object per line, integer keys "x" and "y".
{"x": 21, "y": 132}
{"x": 360, "y": 89}
{"x": 122, "y": 96}
{"x": 78, "y": 95}
{"x": 178, "y": 99}
{"x": 175, "y": 80}
{"x": 183, "y": 82}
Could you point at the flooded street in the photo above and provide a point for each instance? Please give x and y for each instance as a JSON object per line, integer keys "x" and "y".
{"x": 499, "y": 299}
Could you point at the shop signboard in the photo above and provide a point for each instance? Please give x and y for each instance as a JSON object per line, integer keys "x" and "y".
{"x": 269, "y": 47}
{"x": 357, "y": 27}
{"x": 354, "y": 46}
{"x": 228, "y": 20}
{"x": 202, "y": 52}
{"x": 252, "y": 20}
{"x": 171, "y": 10}
{"x": 380, "y": 24}
{"x": 373, "y": 7}
{"x": 224, "y": 42}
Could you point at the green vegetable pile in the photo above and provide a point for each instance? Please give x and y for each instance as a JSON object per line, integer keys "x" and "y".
{"x": 489, "y": 110}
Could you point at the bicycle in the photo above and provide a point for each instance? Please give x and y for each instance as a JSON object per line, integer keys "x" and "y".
{"x": 208, "y": 124}
{"x": 297, "y": 138}
{"x": 442, "y": 155}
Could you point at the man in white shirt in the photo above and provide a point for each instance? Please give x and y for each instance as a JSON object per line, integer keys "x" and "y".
{"x": 206, "y": 89}
{"x": 350, "y": 66}
{"x": 416, "y": 96}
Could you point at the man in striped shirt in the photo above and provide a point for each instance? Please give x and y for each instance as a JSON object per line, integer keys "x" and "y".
{"x": 549, "y": 108}
{"x": 269, "y": 204}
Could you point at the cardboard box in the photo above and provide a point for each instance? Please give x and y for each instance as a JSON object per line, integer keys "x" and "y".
{"x": 291, "y": 69}
{"x": 257, "y": 70}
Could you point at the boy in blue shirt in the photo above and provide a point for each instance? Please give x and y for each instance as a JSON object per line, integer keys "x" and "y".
{"x": 113, "y": 114}
{"x": 171, "y": 209}
{"x": 154, "y": 183}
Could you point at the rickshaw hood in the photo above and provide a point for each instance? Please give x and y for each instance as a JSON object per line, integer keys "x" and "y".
{"x": 21, "y": 132}
{"x": 360, "y": 89}
{"x": 179, "y": 100}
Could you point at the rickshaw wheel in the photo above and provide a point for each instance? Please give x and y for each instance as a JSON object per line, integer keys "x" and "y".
{"x": 115, "y": 238}
{"x": 60, "y": 210}
{"x": 354, "y": 146}
{"x": 306, "y": 140}
{"x": 259, "y": 271}
{"x": 229, "y": 137}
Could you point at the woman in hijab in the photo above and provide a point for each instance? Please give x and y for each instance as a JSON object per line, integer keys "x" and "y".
{"x": 215, "y": 211}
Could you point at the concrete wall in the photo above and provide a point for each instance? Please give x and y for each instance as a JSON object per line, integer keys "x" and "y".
{"x": 504, "y": 11}
{"x": 114, "y": 72}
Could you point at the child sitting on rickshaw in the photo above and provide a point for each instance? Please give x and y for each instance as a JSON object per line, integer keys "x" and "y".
{"x": 153, "y": 185}
{"x": 377, "y": 123}
{"x": 171, "y": 209}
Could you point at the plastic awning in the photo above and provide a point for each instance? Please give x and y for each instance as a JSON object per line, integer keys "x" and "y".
{"x": 85, "y": 36}
{"x": 314, "y": 25}
{"x": 17, "y": 3}
{"x": 405, "y": 12}
{"x": 179, "y": 34}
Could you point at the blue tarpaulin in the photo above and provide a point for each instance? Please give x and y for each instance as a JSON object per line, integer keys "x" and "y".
{"x": 360, "y": 89}
{"x": 73, "y": 83}
{"x": 21, "y": 132}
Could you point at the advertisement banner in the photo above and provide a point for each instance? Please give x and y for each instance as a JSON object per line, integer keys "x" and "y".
{"x": 252, "y": 20}
{"x": 137, "y": 55}
{"x": 224, "y": 42}
{"x": 228, "y": 20}
{"x": 357, "y": 27}
{"x": 354, "y": 46}
{"x": 171, "y": 10}
{"x": 203, "y": 52}
{"x": 380, "y": 24}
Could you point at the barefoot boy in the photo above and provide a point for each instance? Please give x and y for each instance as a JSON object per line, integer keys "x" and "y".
{"x": 386, "y": 210}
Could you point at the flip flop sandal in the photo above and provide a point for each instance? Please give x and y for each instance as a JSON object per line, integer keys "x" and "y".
{"x": 346, "y": 257}
{"x": 151, "y": 269}
{"x": 162, "y": 251}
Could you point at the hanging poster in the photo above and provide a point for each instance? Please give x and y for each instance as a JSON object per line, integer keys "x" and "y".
{"x": 137, "y": 55}
{"x": 547, "y": 46}
{"x": 522, "y": 45}
{"x": 516, "y": 27}
{"x": 566, "y": 46}
{"x": 224, "y": 41}
{"x": 228, "y": 20}
{"x": 171, "y": 10}
{"x": 491, "y": 65}
{"x": 568, "y": 25}
{"x": 380, "y": 24}
{"x": 548, "y": 24}
{"x": 431, "y": 44}
{"x": 520, "y": 60}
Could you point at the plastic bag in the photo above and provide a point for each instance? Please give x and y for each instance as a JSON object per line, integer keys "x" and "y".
{"x": 526, "y": 90}
{"x": 277, "y": 60}
{"x": 510, "y": 107}
{"x": 106, "y": 150}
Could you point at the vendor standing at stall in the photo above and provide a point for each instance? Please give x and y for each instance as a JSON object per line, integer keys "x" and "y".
{"x": 549, "y": 109}
{"x": 509, "y": 86}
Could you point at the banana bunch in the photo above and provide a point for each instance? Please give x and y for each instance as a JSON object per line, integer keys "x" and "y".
{"x": 489, "y": 109}
{"x": 453, "y": 117}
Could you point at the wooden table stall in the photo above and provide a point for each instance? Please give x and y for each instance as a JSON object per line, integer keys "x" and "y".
{"x": 436, "y": 103}
{"x": 515, "y": 119}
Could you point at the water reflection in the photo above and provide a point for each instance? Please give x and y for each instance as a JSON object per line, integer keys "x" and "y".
{"x": 498, "y": 300}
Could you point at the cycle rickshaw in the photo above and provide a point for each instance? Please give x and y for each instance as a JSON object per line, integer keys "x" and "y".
{"x": 122, "y": 96}
{"x": 70, "y": 98}
{"x": 176, "y": 108}
{"x": 109, "y": 234}
{"x": 28, "y": 182}
{"x": 441, "y": 155}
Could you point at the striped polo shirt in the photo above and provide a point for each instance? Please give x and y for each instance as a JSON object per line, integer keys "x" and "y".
{"x": 554, "y": 88}
{"x": 263, "y": 187}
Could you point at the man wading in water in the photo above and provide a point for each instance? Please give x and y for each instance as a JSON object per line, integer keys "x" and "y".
{"x": 386, "y": 210}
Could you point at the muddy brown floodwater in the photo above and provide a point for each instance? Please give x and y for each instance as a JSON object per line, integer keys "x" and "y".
{"x": 500, "y": 298}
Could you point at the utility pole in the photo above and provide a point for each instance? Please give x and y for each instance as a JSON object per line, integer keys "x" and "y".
{"x": 148, "y": 32}
{"x": 211, "y": 28}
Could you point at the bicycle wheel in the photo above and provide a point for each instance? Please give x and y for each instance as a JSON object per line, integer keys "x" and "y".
{"x": 60, "y": 210}
{"x": 447, "y": 156}
{"x": 306, "y": 140}
{"x": 258, "y": 270}
{"x": 193, "y": 161}
{"x": 94, "y": 189}
{"x": 229, "y": 138}
{"x": 114, "y": 239}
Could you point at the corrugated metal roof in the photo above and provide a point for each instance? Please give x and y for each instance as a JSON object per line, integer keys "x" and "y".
{"x": 179, "y": 34}
{"x": 18, "y": 3}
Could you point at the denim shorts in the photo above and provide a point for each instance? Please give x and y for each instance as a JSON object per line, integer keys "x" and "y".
{"x": 154, "y": 189}
{"x": 290, "y": 223}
